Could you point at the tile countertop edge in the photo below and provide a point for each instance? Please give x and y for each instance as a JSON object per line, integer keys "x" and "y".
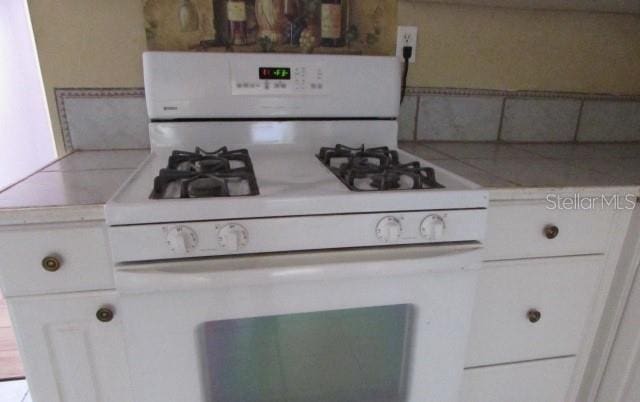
{"x": 540, "y": 193}
{"x": 53, "y": 214}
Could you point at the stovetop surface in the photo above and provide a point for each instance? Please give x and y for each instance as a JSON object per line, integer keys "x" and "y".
{"x": 291, "y": 181}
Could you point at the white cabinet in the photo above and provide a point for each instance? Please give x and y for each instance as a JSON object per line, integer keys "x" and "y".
{"x": 541, "y": 295}
{"x": 69, "y": 354}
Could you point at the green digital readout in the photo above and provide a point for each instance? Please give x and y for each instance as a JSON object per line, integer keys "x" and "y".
{"x": 275, "y": 73}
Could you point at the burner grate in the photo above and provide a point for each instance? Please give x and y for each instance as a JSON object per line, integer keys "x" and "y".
{"x": 221, "y": 173}
{"x": 376, "y": 169}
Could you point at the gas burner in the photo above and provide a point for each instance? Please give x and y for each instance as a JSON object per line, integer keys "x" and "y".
{"x": 200, "y": 174}
{"x": 376, "y": 169}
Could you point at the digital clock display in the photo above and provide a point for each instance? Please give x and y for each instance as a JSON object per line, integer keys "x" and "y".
{"x": 275, "y": 73}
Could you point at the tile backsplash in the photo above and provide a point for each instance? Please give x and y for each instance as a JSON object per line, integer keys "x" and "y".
{"x": 458, "y": 118}
{"x": 452, "y": 114}
{"x": 116, "y": 118}
{"x": 535, "y": 120}
{"x": 407, "y": 118}
{"x": 609, "y": 121}
{"x": 103, "y": 118}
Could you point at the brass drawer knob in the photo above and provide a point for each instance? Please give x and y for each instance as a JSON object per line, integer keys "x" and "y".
{"x": 51, "y": 263}
{"x": 551, "y": 231}
{"x": 534, "y": 315}
{"x": 105, "y": 314}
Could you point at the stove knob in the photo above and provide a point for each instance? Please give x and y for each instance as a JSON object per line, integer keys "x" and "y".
{"x": 432, "y": 227}
{"x": 389, "y": 229}
{"x": 182, "y": 239}
{"x": 233, "y": 237}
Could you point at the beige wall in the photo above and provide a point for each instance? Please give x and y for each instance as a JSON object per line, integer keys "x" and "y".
{"x": 476, "y": 47}
{"x": 97, "y": 43}
{"x": 87, "y": 43}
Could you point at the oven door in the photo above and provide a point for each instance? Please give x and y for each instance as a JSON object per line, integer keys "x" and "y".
{"x": 387, "y": 324}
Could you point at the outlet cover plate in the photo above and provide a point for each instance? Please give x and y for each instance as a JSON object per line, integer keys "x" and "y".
{"x": 407, "y": 36}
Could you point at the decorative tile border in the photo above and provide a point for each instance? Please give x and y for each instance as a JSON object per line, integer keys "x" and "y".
{"x": 64, "y": 94}
{"x": 417, "y": 91}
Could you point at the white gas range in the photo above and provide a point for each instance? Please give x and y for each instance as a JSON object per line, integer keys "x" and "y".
{"x": 276, "y": 246}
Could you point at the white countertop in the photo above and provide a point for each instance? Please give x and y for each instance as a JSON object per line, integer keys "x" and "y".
{"x": 525, "y": 171}
{"x": 77, "y": 186}
{"x": 73, "y": 188}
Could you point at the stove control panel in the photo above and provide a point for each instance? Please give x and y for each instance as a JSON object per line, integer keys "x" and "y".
{"x": 271, "y": 80}
{"x": 283, "y": 234}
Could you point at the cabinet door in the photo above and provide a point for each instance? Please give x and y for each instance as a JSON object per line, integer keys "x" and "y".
{"x": 69, "y": 355}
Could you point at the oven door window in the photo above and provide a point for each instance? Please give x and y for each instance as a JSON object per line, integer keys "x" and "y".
{"x": 343, "y": 355}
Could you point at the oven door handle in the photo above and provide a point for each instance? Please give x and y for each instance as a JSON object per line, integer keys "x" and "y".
{"x": 266, "y": 270}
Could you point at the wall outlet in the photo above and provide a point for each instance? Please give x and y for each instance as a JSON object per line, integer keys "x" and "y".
{"x": 407, "y": 36}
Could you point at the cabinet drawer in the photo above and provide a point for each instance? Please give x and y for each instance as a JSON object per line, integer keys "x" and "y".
{"x": 539, "y": 381}
{"x": 517, "y": 230}
{"x": 505, "y": 325}
{"x": 80, "y": 250}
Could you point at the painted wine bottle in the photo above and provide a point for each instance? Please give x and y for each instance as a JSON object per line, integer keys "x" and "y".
{"x": 331, "y": 31}
{"x": 237, "y": 17}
